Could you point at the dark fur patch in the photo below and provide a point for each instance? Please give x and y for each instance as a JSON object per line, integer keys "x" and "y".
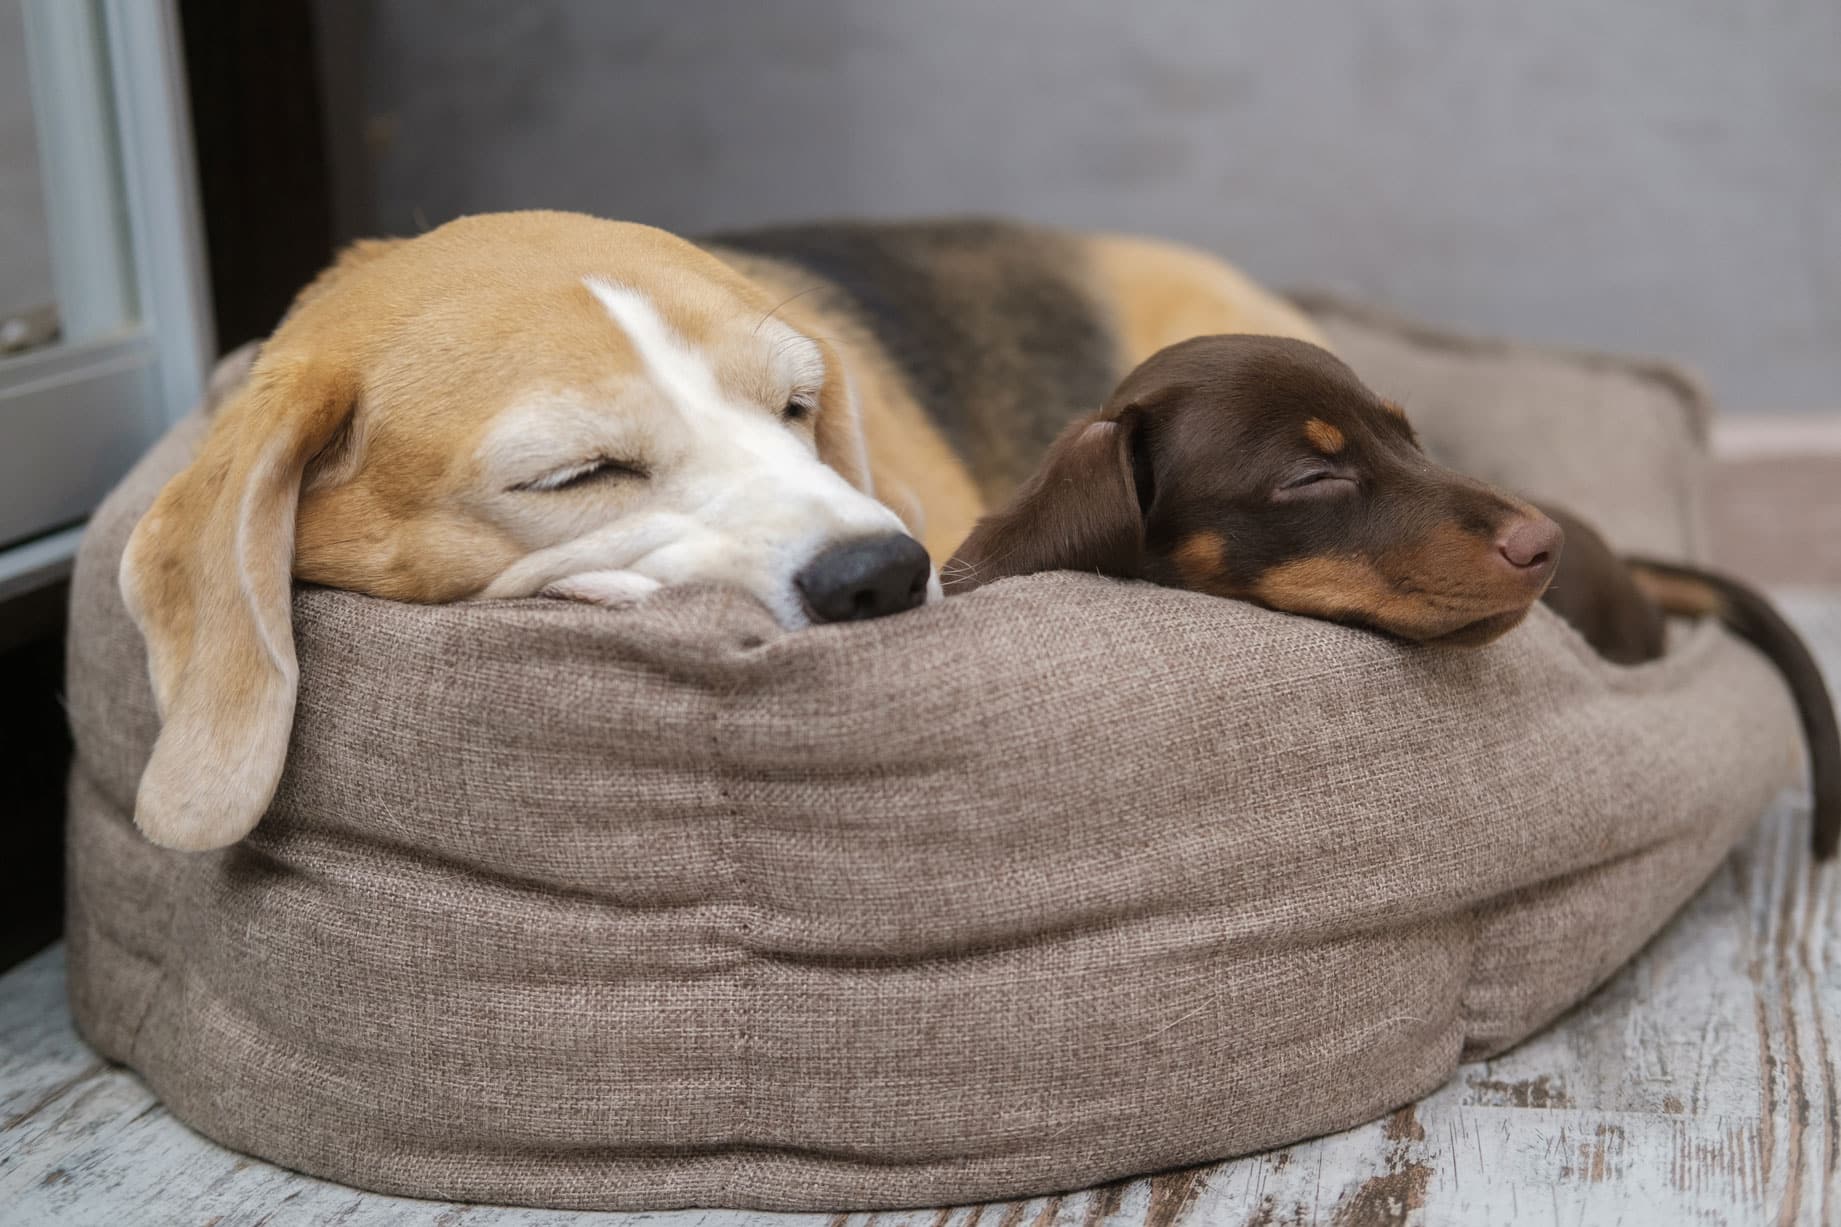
{"x": 1597, "y": 592}
{"x": 987, "y": 322}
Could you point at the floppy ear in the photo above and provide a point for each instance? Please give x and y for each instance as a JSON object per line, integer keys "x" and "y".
{"x": 1082, "y": 509}
{"x": 207, "y": 576}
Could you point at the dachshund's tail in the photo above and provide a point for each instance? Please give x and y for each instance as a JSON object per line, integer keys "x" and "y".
{"x": 1689, "y": 590}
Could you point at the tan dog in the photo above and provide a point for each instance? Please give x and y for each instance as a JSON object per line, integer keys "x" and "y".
{"x": 550, "y": 404}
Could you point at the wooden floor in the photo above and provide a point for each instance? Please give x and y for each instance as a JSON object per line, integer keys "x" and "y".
{"x": 1699, "y": 1086}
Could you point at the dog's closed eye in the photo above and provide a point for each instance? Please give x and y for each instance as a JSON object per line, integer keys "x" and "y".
{"x": 1316, "y": 481}
{"x": 597, "y": 469}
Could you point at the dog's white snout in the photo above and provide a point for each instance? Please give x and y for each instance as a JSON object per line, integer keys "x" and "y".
{"x": 741, "y": 497}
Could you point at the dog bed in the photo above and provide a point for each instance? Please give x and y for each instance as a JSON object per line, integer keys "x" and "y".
{"x": 1064, "y": 880}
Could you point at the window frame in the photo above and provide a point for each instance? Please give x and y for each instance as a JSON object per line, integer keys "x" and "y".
{"x": 127, "y": 244}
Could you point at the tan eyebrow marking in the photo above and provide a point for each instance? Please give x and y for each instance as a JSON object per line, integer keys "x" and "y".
{"x": 1323, "y": 436}
{"x": 1393, "y": 407}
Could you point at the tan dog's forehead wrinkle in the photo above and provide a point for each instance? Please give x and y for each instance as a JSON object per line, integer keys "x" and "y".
{"x": 770, "y": 366}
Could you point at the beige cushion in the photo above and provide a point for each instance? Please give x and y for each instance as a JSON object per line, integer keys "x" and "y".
{"x": 1060, "y": 881}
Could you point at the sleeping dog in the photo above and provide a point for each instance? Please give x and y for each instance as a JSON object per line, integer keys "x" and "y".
{"x": 1262, "y": 469}
{"x": 551, "y": 404}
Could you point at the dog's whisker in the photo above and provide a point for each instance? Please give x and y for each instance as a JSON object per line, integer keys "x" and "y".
{"x": 811, "y": 289}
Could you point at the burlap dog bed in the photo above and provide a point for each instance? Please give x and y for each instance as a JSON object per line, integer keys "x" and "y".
{"x": 1061, "y": 881}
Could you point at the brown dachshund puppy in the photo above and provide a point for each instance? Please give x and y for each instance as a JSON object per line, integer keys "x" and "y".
{"x": 1261, "y": 469}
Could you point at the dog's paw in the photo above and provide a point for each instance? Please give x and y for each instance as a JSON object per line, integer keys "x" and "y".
{"x": 616, "y": 589}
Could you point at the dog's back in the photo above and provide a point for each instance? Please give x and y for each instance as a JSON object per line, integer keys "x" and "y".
{"x": 1003, "y": 332}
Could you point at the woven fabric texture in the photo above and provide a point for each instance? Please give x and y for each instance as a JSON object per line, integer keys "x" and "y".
{"x": 1060, "y": 881}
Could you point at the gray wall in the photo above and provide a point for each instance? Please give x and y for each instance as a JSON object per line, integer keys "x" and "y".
{"x": 25, "y": 264}
{"x": 1651, "y": 175}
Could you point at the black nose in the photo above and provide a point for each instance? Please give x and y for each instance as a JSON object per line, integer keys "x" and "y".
{"x": 868, "y": 578}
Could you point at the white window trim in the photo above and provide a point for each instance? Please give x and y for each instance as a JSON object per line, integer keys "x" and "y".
{"x": 160, "y": 182}
{"x": 115, "y": 143}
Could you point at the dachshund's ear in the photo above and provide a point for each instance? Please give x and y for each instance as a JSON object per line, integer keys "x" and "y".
{"x": 1083, "y": 510}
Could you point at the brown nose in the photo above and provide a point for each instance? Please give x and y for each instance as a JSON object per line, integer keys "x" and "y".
{"x": 1531, "y": 544}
